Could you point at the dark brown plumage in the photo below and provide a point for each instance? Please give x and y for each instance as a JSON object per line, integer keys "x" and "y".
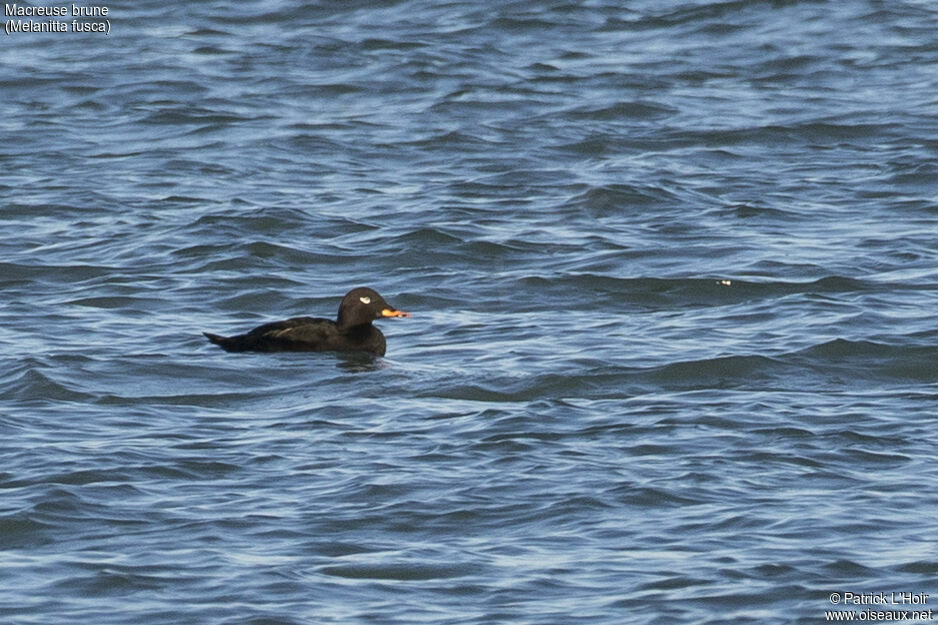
{"x": 351, "y": 331}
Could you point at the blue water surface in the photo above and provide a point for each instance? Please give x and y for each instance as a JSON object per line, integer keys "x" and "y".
{"x": 672, "y": 269}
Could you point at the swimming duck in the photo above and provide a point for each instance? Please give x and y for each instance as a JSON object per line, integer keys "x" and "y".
{"x": 351, "y": 331}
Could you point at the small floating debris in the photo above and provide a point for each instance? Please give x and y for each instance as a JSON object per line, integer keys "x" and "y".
{"x": 725, "y": 282}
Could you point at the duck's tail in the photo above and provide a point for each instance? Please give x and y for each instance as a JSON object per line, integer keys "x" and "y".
{"x": 226, "y": 343}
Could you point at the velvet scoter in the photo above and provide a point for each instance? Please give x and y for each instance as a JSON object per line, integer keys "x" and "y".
{"x": 351, "y": 331}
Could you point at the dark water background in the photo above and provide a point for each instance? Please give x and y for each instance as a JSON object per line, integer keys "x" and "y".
{"x": 672, "y": 268}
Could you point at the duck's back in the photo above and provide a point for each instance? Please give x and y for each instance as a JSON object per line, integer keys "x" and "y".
{"x": 304, "y": 334}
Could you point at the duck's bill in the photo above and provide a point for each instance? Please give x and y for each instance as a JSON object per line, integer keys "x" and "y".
{"x": 387, "y": 312}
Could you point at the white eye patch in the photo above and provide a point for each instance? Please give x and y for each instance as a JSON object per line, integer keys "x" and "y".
{"x": 365, "y": 300}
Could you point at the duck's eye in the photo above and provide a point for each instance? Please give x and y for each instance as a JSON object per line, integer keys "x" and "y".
{"x": 365, "y": 300}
